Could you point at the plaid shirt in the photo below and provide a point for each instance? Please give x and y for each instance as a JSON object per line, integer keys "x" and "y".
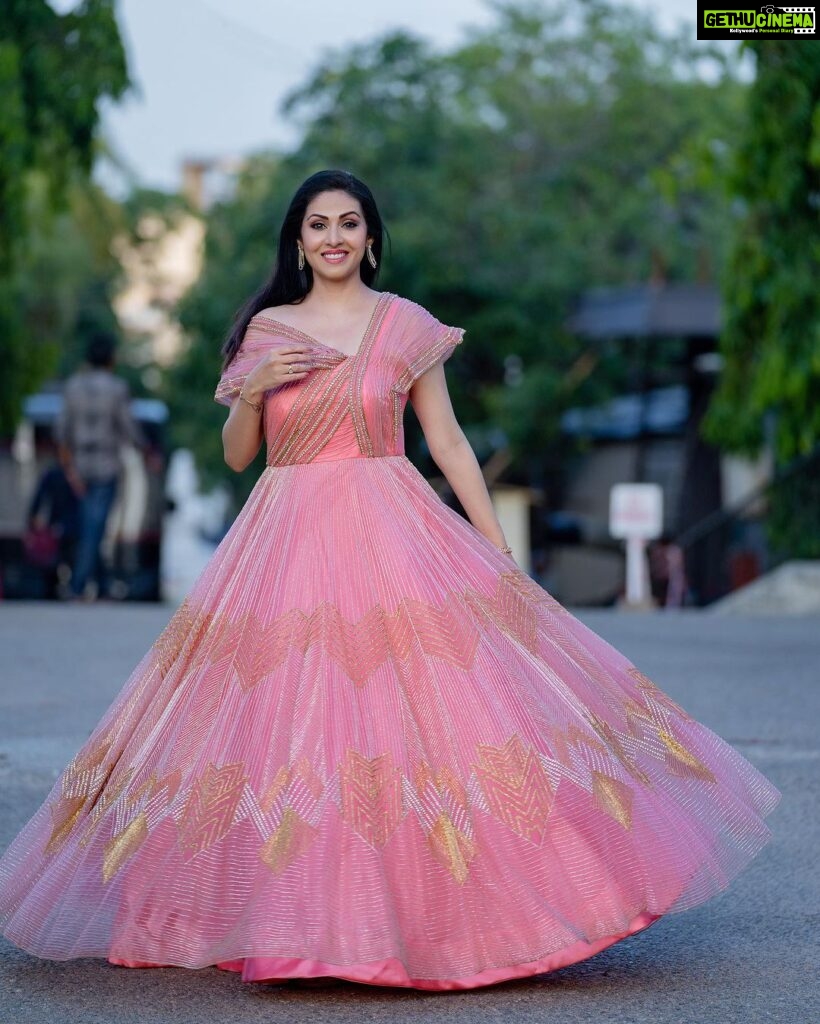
{"x": 95, "y": 421}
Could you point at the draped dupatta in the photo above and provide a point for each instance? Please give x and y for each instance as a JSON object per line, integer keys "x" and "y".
{"x": 362, "y": 394}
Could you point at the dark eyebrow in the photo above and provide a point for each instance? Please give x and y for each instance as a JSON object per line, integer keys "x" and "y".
{"x": 324, "y": 216}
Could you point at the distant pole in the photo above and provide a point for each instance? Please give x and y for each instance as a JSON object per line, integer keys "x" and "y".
{"x": 637, "y": 572}
{"x": 636, "y": 515}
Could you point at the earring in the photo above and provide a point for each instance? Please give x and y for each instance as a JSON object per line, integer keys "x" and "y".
{"x": 371, "y": 258}
{"x": 301, "y": 260}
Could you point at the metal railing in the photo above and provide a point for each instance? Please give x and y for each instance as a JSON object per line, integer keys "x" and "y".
{"x": 777, "y": 521}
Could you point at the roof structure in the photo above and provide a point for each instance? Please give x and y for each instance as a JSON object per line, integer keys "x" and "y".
{"x": 649, "y": 310}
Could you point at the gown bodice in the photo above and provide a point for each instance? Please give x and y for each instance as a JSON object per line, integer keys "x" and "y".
{"x": 348, "y": 406}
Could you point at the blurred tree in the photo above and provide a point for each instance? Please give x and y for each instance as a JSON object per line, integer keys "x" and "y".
{"x": 54, "y": 69}
{"x": 67, "y": 271}
{"x": 769, "y": 388}
{"x": 771, "y": 336}
{"x": 551, "y": 151}
{"x": 554, "y": 150}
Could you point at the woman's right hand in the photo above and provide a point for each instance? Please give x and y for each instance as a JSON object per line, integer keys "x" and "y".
{"x": 279, "y": 366}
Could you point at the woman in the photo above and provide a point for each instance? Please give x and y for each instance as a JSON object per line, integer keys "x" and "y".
{"x": 368, "y": 745}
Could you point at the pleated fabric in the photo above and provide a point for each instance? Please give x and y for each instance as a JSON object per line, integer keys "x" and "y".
{"x": 368, "y": 745}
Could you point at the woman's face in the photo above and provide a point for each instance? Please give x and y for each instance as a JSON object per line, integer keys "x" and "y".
{"x": 334, "y": 235}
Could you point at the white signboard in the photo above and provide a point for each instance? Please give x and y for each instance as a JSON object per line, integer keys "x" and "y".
{"x": 636, "y": 510}
{"x": 636, "y": 514}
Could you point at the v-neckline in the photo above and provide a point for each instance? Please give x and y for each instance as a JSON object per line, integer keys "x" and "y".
{"x": 304, "y": 336}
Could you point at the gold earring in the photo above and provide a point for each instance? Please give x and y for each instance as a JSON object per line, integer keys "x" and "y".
{"x": 371, "y": 257}
{"x": 301, "y": 260}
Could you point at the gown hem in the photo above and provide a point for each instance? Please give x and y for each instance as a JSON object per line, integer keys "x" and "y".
{"x": 391, "y": 972}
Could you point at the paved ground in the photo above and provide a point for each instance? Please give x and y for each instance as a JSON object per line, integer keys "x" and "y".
{"x": 748, "y": 956}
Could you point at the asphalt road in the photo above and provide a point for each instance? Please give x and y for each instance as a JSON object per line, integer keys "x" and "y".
{"x": 750, "y": 955}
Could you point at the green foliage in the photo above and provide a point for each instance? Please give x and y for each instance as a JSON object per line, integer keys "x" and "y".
{"x": 60, "y": 289}
{"x": 548, "y": 153}
{"x": 771, "y": 336}
{"x": 794, "y": 507}
{"x": 54, "y": 69}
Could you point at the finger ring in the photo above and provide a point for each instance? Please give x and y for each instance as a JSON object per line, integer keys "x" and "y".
{"x": 290, "y": 367}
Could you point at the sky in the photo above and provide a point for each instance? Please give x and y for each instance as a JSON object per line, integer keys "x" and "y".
{"x": 211, "y": 74}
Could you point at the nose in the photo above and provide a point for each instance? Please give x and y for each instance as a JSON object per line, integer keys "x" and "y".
{"x": 334, "y": 234}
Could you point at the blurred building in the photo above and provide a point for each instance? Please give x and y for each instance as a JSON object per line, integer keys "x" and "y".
{"x": 158, "y": 269}
{"x": 652, "y": 434}
{"x": 166, "y": 260}
{"x": 205, "y": 182}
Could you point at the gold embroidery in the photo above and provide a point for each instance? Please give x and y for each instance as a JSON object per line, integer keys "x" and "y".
{"x": 85, "y": 774}
{"x": 108, "y": 796}
{"x": 513, "y": 606}
{"x": 371, "y": 796}
{"x": 169, "y": 643}
{"x": 429, "y": 357}
{"x": 325, "y": 400}
{"x": 654, "y": 695}
{"x": 229, "y": 386}
{"x": 153, "y": 785}
{"x": 280, "y": 782}
{"x": 209, "y": 810}
{"x": 313, "y": 418}
{"x": 65, "y": 815}
{"x": 453, "y": 848}
{"x": 289, "y": 841}
{"x": 184, "y": 632}
{"x": 525, "y": 585}
{"x": 444, "y": 780}
{"x": 509, "y": 781}
{"x": 684, "y": 761}
{"x": 516, "y": 787}
{"x": 285, "y": 776}
{"x": 363, "y": 438}
{"x": 638, "y": 718}
{"x": 563, "y": 740}
{"x": 613, "y": 740}
{"x": 446, "y": 631}
{"x": 613, "y": 797}
{"x": 121, "y": 847}
{"x": 399, "y": 401}
{"x": 81, "y": 784}
{"x": 252, "y": 650}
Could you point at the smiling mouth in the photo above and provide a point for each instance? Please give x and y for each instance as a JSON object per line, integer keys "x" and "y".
{"x": 334, "y": 256}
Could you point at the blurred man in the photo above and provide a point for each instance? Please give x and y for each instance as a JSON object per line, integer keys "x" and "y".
{"x": 94, "y": 422}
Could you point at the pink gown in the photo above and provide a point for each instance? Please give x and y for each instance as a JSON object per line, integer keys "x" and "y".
{"x": 368, "y": 745}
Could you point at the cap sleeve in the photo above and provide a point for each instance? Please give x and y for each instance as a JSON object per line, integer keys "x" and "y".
{"x": 253, "y": 347}
{"x": 427, "y": 342}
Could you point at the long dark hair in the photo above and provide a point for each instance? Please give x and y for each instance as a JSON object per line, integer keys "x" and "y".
{"x": 287, "y": 283}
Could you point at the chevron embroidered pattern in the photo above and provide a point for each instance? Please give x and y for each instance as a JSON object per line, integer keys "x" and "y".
{"x": 450, "y": 631}
{"x": 209, "y": 811}
{"x": 371, "y": 791}
{"x": 516, "y": 787}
